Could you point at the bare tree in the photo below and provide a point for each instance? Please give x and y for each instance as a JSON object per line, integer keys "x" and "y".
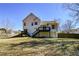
{"x": 74, "y": 9}
{"x": 68, "y": 26}
{"x": 7, "y": 25}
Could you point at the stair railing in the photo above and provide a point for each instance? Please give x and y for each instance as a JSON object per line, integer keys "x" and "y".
{"x": 44, "y": 28}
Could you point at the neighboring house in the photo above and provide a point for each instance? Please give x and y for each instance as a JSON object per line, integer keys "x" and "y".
{"x": 37, "y": 28}
{"x": 75, "y": 31}
{"x": 8, "y": 33}
{"x": 2, "y": 31}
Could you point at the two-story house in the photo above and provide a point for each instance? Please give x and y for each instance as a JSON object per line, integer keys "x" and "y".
{"x": 37, "y": 28}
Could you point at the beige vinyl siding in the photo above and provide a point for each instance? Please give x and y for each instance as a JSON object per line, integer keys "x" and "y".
{"x": 46, "y": 34}
{"x": 43, "y": 34}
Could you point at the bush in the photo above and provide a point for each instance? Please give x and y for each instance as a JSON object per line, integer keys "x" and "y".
{"x": 67, "y": 35}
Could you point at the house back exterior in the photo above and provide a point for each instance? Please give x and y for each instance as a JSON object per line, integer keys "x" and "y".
{"x": 37, "y": 28}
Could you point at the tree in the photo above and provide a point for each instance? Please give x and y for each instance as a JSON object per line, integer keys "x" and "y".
{"x": 7, "y": 25}
{"x": 74, "y": 9}
{"x": 74, "y": 13}
{"x": 68, "y": 26}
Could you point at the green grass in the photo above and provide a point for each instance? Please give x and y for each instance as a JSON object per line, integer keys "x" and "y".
{"x": 26, "y": 46}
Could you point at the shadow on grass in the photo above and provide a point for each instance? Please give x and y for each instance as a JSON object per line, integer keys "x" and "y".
{"x": 32, "y": 43}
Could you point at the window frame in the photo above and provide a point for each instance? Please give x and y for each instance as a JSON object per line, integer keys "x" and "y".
{"x": 36, "y": 23}
{"x": 32, "y": 24}
{"x": 53, "y": 26}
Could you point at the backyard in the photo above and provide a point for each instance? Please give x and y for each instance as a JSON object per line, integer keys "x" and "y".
{"x": 27, "y": 46}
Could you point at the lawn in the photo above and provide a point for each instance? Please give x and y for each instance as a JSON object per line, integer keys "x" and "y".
{"x": 27, "y": 46}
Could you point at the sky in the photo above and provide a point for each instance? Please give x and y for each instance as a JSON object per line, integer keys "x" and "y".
{"x": 14, "y": 13}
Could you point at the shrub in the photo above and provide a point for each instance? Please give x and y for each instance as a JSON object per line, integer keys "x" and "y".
{"x": 68, "y": 35}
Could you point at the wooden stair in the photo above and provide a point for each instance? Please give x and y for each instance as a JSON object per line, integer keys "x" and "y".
{"x": 41, "y": 29}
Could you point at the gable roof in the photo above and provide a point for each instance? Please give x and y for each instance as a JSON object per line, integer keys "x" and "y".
{"x": 30, "y": 15}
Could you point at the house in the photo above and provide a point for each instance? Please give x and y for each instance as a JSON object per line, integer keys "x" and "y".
{"x": 9, "y": 33}
{"x": 2, "y": 31}
{"x": 37, "y": 28}
{"x": 75, "y": 31}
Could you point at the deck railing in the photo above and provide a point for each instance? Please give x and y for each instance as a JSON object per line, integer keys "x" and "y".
{"x": 44, "y": 28}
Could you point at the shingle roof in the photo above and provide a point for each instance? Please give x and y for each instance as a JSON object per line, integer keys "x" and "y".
{"x": 30, "y": 15}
